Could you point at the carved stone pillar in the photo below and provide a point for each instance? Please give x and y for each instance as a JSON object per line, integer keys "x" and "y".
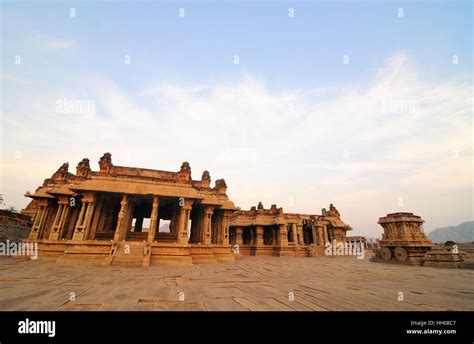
{"x": 252, "y": 233}
{"x": 40, "y": 219}
{"x": 88, "y": 221}
{"x": 295, "y": 234}
{"x": 96, "y": 219}
{"x": 282, "y": 235}
{"x": 318, "y": 234}
{"x": 325, "y": 234}
{"x": 36, "y": 224}
{"x": 314, "y": 231}
{"x": 119, "y": 229}
{"x": 60, "y": 219}
{"x": 79, "y": 228}
{"x": 258, "y": 235}
{"x": 83, "y": 224}
{"x": 91, "y": 199}
{"x": 154, "y": 219}
{"x": 225, "y": 224}
{"x": 239, "y": 240}
{"x": 275, "y": 235}
{"x": 174, "y": 222}
{"x": 53, "y": 235}
{"x": 299, "y": 230}
{"x": 207, "y": 225}
{"x": 184, "y": 213}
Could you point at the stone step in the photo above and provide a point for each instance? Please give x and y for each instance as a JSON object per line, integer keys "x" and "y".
{"x": 121, "y": 262}
{"x": 128, "y": 265}
{"x": 128, "y": 257}
{"x": 129, "y": 254}
{"x": 134, "y": 257}
{"x": 204, "y": 258}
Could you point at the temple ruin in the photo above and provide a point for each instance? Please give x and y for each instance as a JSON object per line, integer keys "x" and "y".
{"x": 130, "y": 216}
{"x": 260, "y": 231}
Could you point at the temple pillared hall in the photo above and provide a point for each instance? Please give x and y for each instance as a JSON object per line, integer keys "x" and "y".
{"x": 131, "y": 216}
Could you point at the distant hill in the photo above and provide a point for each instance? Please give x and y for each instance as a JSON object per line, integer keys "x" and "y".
{"x": 462, "y": 233}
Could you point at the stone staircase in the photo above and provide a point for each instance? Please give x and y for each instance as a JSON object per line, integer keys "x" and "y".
{"x": 129, "y": 254}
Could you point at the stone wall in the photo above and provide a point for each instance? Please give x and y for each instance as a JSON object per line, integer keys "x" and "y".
{"x": 14, "y": 226}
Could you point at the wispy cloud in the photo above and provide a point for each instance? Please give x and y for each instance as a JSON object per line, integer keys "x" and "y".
{"x": 315, "y": 146}
{"x": 52, "y": 43}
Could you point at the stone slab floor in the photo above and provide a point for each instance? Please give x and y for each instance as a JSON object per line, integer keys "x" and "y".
{"x": 252, "y": 283}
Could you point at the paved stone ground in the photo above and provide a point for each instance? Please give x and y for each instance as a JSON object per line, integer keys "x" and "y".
{"x": 253, "y": 283}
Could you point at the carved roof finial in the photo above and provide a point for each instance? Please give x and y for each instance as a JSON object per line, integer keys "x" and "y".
{"x": 105, "y": 162}
{"x": 220, "y": 184}
{"x": 62, "y": 173}
{"x": 206, "y": 179}
{"x": 64, "y": 168}
{"x": 185, "y": 167}
{"x": 185, "y": 171}
{"x": 83, "y": 168}
{"x": 206, "y": 176}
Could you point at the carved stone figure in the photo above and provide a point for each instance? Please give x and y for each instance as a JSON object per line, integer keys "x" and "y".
{"x": 83, "y": 168}
{"x": 206, "y": 179}
{"x": 105, "y": 163}
{"x": 184, "y": 172}
{"x": 62, "y": 172}
{"x": 220, "y": 184}
{"x": 64, "y": 168}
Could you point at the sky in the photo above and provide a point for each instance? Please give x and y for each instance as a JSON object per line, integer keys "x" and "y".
{"x": 364, "y": 104}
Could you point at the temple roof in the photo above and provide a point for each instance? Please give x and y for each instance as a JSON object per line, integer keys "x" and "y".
{"x": 133, "y": 180}
{"x": 259, "y": 216}
{"x": 400, "y": 217}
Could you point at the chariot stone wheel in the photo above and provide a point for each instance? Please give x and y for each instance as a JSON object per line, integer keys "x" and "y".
{"x": 401, "y": 254}
{"x": 386, "y": 253}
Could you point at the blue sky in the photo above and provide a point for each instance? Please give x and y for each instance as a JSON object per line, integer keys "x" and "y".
{"x": 290, "y": 124}
{"x": 302, "y": 51}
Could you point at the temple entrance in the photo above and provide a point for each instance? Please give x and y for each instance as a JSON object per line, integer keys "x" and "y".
{"x": 48, "y": 223}
{"x": 247, "y": 235}
{"x": 232, "y": 236}
{"x": 140, "y": 209}
{"x": 168, "y": 219}
{"x": 107, "y": 211}
{"x": 197, "y": 230}
{"x": 290, "y": 236}
{"x": 307, "y": 234}
{"x": 217, "y": 236}
{"x": 71, "y": 219}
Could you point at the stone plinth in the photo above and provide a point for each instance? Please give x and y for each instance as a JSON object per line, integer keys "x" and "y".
{"x": 447, "y": 257}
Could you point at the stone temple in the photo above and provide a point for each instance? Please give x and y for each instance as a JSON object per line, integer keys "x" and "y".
{"x": 130, "y": 216}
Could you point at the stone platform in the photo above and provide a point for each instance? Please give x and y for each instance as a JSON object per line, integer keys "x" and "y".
{"x": 250, "y": 283}
{"x": 131, "y": 253}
